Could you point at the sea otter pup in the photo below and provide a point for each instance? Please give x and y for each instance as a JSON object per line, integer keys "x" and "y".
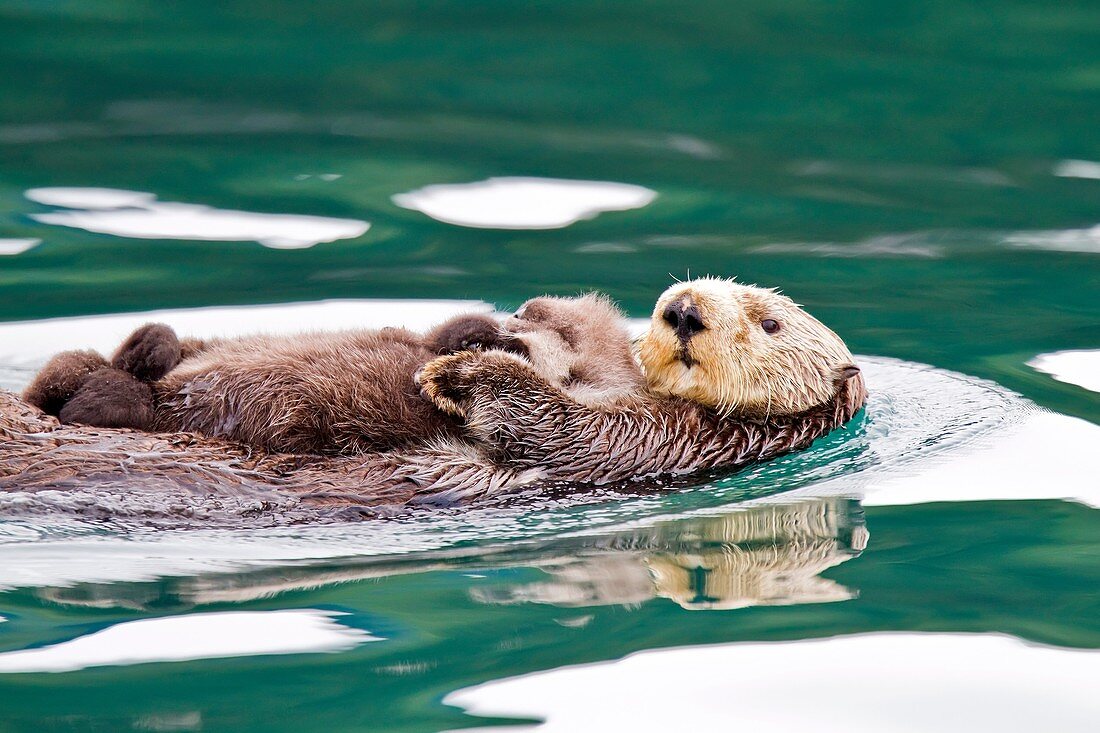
{"x": 736, "y": 374}
{"x": 349, "y": 393}
{"x": 84, "y": 388}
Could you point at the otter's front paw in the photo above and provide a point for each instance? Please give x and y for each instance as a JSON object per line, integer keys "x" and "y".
{"x": 450, "y": 381}
{"x": 445, "y": 381}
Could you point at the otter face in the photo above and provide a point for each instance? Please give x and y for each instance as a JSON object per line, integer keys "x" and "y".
{"x": 579, "y": 342}
{"x": 742, "y": 349}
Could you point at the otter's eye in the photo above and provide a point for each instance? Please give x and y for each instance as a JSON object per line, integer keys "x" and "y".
{"x": 769, "y": 325}
{"x": 519, "y": 314}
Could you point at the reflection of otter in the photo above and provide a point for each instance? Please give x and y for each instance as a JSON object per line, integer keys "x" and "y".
{"x": 767, "y": 555}
{"x": 740, "y": 374}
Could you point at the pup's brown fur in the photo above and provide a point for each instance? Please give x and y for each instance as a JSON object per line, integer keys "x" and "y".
{"x": 83, "y": 387}
{"x": 148, "y": 353}
{"x": 59, "y": 380}
{"x": 346, "y": 393}
{"x": 353, "y": 392}
{"x": 312, "y": 393}
{"x": 110, "y": 398}
{"x": 349, "y": 392}
{"x": 580, "y": 344}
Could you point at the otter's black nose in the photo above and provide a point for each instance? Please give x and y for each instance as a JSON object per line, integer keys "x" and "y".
{"x": 684, "y": 318}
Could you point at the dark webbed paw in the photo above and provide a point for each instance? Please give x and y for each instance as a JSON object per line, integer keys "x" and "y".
{"x": 110, "y": 398}
{"x": 149, "y": 353}
{"x": 451, "y": 381}
{"x": 471, "y": 333}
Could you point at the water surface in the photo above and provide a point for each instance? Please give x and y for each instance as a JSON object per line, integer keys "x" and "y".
{"x": 924, "y": 177}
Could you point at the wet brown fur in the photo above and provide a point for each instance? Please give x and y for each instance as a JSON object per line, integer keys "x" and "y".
{"x": 57, "y": 382}
{"x": 110, "y": 398}
{"x": 337, "y": 393}
{"x": 315, "y": 393}
{"x": 522, "y": 430}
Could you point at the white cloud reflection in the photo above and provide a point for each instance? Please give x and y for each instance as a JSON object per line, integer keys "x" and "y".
{"x": 17, "y": 246}
{"x": 1059, "y": 240}
{"x": 139, "y": 215}
{"x": 1077, "y": 169}
{"x": 901, "y": 682}
{"x": 193, "y": 636}
{"x": 523, "y": 203}
{"x": 1046, "y": 456}
{"x": 1073, "y": 367}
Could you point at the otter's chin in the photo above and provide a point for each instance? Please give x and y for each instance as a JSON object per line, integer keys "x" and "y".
{"x": 684, "y": 357}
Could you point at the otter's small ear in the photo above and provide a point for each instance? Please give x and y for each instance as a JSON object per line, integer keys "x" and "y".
{"x": 846, "y": 372}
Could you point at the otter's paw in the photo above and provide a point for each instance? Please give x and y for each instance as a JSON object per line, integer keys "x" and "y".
{"x": 475, "y": 332}
{"x": 110, "y": 398}
{"x": 450, "y": 381}
{"x": 149, "y": 353}
{"x": 59, "y": 380}
{"x": 443, "y": 381}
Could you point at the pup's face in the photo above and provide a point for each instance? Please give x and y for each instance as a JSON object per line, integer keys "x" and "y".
{"x": 570, "y": 340}
{"x": 742, "y": 350}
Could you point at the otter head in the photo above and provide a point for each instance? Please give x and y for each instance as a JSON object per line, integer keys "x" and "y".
{"x": 579, "y": 343}
{"x": 743, "y": 350}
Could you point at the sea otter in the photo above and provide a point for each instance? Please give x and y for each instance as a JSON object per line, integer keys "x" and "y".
{"x": 736, "y": 374}
{"x": 717, "y": 354}
{"x": 335, "y": 393}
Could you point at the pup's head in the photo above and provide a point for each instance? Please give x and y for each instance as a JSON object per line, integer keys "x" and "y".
{"x": 579, "y": 343}
{"x": 742, "y": 350}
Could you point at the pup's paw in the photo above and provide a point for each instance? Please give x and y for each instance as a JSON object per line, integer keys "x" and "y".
{"x": 474, "y": 332}
{"x": 149, "y": 353}
{"x": 110, "y": 398}
{"x": 59, "y": 380}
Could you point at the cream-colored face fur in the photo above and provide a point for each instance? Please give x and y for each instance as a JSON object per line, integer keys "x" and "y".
{"x": 752, "y": 351}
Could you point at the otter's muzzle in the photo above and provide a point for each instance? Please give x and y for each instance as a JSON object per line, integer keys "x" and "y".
{"x": 684, "y": 319}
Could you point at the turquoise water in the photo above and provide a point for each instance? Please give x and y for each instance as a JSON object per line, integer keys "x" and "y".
{"x": 924, "y": 177}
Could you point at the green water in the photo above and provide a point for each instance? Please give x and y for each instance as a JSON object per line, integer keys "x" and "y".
{"x": 890, "y": 165}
